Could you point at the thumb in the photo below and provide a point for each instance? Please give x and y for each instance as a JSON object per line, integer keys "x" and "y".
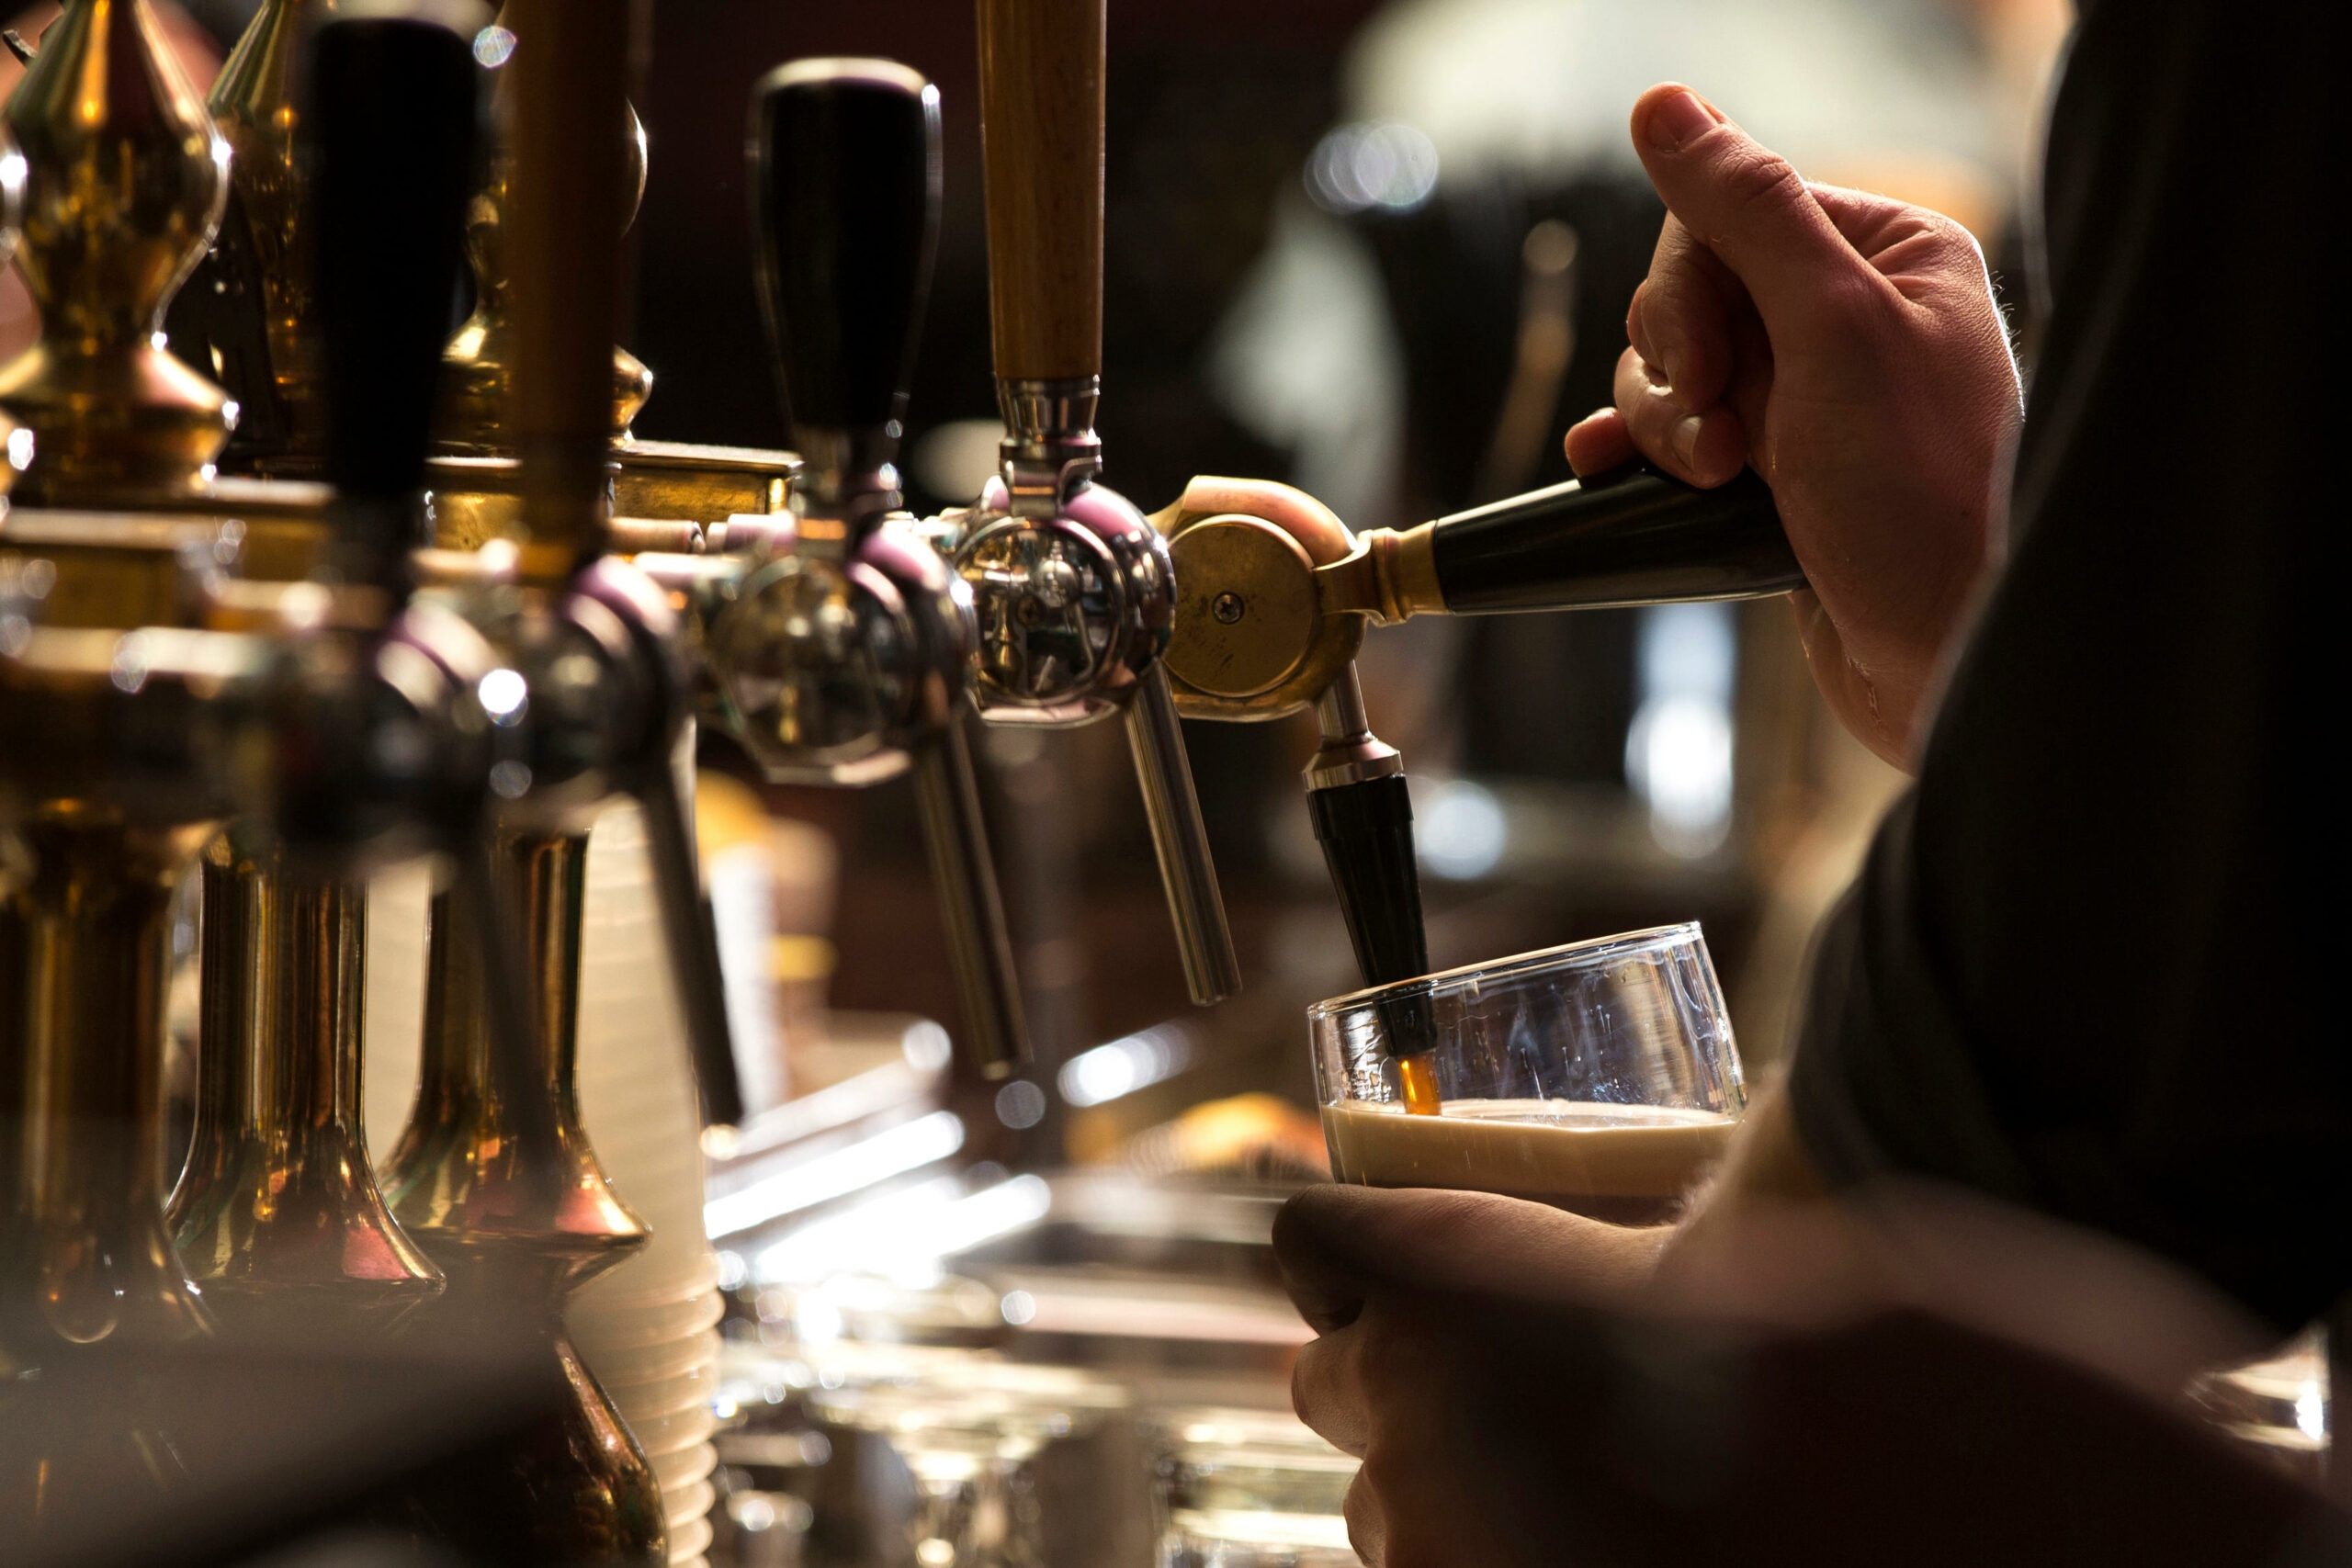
{"x": 1745, "y": 202}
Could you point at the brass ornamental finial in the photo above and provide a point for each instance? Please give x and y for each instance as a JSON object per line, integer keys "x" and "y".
{"x": 478, "y": 366}
{"x": 124, "y": 181}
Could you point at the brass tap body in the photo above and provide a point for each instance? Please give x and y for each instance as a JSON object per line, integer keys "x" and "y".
{"x": 124, "y": 181}
{"x": 506, "y": 1195}
{"x": 278, "y": 1214}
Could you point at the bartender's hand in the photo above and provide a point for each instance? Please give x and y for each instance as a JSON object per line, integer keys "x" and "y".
{"x": 1848, "y": 348}
{"x": 1524, "y": 1395}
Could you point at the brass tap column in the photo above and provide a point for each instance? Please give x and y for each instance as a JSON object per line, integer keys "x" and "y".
{"x": 278, "y": 1215}
{"x": 496, "y": 1179}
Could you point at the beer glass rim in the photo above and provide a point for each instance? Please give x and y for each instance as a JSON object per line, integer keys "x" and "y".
{"x": 1571, "y": 955}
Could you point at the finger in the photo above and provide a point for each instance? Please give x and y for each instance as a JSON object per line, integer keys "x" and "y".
{"x": 1746, "y": 203}
{"x": 1367, "y": 1530}
{"x": 1320, "y": 1269}
{"x": 1328, "y": 1391}
{"x": 1336, "y": 1243}
{"x": 1704, "y": 449}
{"x": 1680, "y": 316}
{"x": 1600, "y": 442}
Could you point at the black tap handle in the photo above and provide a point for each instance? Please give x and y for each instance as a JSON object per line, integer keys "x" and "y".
{"x": 845, "y": 178}
{"x": 1633, "y": 536}
{"x": 391, "y": 122}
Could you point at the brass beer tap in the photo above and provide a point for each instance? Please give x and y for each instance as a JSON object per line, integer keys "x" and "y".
{"x": 1279, "y": 594}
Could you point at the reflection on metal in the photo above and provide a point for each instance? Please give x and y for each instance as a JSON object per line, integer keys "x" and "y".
{"x": 494, "y": 1178}
{"x": 835, "y": 1172}
{"x": 278, "y": 1217}
{"x": 123, "y": 179}
{"x": 475, "y": 416}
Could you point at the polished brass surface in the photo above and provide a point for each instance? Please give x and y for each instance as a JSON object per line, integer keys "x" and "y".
{"x": 478, "y": 499}
{"x": 476, "y": 415}
{"x": 495, "y": 1179}
{"x": 254, "y": 108}
{"x": 85, "y": 1259}
{"x": 120, "y": 570}
{"x": 681, "y": 480}
{"x": 278, "y": 1215}
{"x": 124, "y": 180}
{"x": 1245, "y": 607}
{"x": 1391, "y": 578}
{"x": 1255, "y": 636}
{"x": 92, "y": 1258}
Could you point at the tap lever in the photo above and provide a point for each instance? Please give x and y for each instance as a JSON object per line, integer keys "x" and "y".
{"x": 957, "y": 836}
{"x": 1633, "y": 536}
{"x": 1179, "y": 835}
{"x": 845, "y": 190}
{"x": 393, "y": 127}
{"x": 691, "y": 938}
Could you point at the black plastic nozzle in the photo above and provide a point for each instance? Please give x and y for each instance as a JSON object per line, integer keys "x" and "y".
{"x": 1366, "y": 832}
{"x": 845, "y": 187}
{"x": 391, "y": 129}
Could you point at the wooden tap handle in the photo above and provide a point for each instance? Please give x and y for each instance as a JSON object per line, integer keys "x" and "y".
{"x": 1041, "y": 136}
{"x": 569, "y": 203}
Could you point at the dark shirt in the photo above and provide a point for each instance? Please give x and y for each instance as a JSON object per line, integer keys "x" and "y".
{"x": 2096, "y": 963}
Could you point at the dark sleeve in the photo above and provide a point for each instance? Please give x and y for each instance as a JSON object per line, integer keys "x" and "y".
{"x": 2094, "y": 963}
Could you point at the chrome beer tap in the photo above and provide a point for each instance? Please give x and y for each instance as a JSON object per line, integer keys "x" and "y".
{"x": 838, "y": 649}
{"x": 1074, "y": 590}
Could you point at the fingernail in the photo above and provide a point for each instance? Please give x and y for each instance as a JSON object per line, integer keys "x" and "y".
{"x": 1678, "y": 120}
{"x": 1685, "y": 440}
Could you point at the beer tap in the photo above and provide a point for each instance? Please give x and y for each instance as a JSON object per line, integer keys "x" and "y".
{"x": 837, "y": 653}
{"x": 1279, "y": 594}
{"x": 278, "y": 1214}
{"x": 1073, "y": 589}
{"x": 106, "y": 783}
{"x": 496, "y": 1179}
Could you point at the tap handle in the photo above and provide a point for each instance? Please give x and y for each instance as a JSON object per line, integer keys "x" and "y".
{"x": 1179, "y": 835}
{"x": 958, "y": 837}
{"x": 845, "y": 179}
{"x": 1629, "y": 536}
{"x": 392, "y": 127}
{"x": 1041, "y": 139}
{"x": 570, "y": 145}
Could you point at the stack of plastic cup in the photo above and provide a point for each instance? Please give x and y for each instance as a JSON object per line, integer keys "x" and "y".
{"x": 648, "y": 1329}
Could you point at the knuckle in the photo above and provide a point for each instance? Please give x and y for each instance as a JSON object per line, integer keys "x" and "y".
{"x": 1758, "y": 180}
